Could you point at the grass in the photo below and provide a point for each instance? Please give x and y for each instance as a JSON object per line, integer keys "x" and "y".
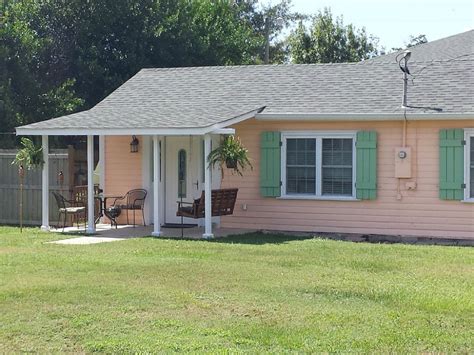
{"x": 254, "y": 293}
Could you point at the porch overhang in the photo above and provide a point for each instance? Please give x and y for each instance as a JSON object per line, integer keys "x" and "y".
{"x": 217, "y": 128}
{"x": 54, "y": 128}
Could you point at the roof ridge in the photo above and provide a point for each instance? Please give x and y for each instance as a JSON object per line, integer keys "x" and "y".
{"x": 216, "y": 67}
{"x": 439, "y": 39}
{"x": 440, "y": 49}
{"x": 252, "y": 66}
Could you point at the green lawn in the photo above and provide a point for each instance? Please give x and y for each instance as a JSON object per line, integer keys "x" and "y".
{"x": 249, "y": 293}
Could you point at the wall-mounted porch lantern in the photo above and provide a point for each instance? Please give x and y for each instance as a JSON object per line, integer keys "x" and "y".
{"x": 134, "y": 145}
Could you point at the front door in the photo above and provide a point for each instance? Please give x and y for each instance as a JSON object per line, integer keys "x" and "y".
{"x": 183, "y": 174}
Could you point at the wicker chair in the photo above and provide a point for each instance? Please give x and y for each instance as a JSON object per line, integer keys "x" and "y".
{"x": 133, "y": 200}
{"x": 222, "y": 203}
{"x": 69, "y": 207}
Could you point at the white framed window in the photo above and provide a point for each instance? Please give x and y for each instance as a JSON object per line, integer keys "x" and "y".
{"x": 318, "y": 165}
{"x": 469, "y": 165}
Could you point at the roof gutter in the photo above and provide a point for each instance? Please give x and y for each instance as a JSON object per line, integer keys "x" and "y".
{"x": 362, "y": 116}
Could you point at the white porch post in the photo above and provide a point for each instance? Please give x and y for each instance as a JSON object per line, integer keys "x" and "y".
{"x": 45, "y": 185}
{"x": 156, "y": 188}
{"x": 102, "y": 162}
{"x": 90, "y": 185}
{"x": 102, "y": 167}
{"x": 207, "y": 189}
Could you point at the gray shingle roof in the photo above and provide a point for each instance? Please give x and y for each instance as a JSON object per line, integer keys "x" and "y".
{"x": 457, "y": 46}
{"x": 203, "y": 96}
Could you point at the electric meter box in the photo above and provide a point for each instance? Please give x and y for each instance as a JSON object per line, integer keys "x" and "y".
{"x": 403, "y": 162}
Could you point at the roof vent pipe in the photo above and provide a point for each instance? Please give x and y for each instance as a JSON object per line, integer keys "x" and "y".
{"x": 403, "y": 64}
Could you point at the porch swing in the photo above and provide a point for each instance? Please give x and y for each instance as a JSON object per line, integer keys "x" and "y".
{"x": 222, "y": 204}
{"x": 230, "y": 153}
{"x": 222, "y": 200}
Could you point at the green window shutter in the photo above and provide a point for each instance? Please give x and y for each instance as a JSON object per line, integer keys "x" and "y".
{"x": 270, "y": 163}
{"x": 366, "y": 163}
{"x": 451, "y": 164}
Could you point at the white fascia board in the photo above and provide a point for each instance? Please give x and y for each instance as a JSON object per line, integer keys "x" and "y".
{"x": 110, "y": 131}
{"x": 237, "y": 119}
{"x": 362, "y": 116}
{"x": 122, "y": 131}
{"x": 224, "y": 131}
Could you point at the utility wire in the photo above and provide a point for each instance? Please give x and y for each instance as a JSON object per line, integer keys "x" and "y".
{"x": 416, "y": 74}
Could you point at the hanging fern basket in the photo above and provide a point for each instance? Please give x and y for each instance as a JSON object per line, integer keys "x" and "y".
{"x": 231, "y": 163}
{"x": 230, "y": 154}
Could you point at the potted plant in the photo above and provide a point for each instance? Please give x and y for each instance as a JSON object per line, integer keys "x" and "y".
{"x": 29, "y": 157}
{"x": 231, "y": 154}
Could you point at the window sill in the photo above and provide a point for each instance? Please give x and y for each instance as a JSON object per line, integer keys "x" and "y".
{"x": 468, "y": 200}
{"x": 320, "y": 198}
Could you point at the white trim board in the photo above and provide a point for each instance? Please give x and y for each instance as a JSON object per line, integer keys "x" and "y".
{"x": 114, "y": 131}
{"x": 468, "y": 134}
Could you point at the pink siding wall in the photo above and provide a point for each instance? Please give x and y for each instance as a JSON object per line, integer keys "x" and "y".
{"x": 418, "y": 213}
{"x": 123, "y": 170}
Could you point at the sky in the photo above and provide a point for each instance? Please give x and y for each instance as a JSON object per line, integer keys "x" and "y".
{"x": 394, "y": 21}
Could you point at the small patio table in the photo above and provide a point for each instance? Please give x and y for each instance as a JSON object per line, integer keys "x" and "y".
{"x": 103, "y": 208}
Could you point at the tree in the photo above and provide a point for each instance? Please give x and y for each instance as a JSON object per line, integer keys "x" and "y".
{"x": 153, "y": 33}
{"x": 328, "y": 40}
{"x": 62, "y": 56}
{"x": 269, "y": 21}
{"x": 414, "y": 41}
{"x": 58, "y": 57}
{"x": 28, "y": 91}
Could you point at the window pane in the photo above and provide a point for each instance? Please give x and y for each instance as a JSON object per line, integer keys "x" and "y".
{"x": 291, "y": 158}
{"x": 337, "y": 181}
{"x": 337, "y": 166}
{"x": 301, "y": 166}
{"x": 182, "y": 173}
{"x": 472, "y": 168}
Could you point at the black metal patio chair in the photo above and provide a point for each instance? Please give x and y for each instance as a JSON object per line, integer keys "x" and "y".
{"x": 69, "y": 207}
{"x": 133, "y": 200}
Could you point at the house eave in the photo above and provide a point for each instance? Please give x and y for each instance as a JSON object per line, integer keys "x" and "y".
{"x": 362, "y": 116}
{"x": 110, "y": 131}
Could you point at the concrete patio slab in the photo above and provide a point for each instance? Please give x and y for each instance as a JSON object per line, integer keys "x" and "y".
{"x": 106, "y": 233}
{"x": 87, "y": 240}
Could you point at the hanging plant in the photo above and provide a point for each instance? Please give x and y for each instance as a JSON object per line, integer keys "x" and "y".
{"x": 29, "y": 156}
{"x": 231, "y": 154}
